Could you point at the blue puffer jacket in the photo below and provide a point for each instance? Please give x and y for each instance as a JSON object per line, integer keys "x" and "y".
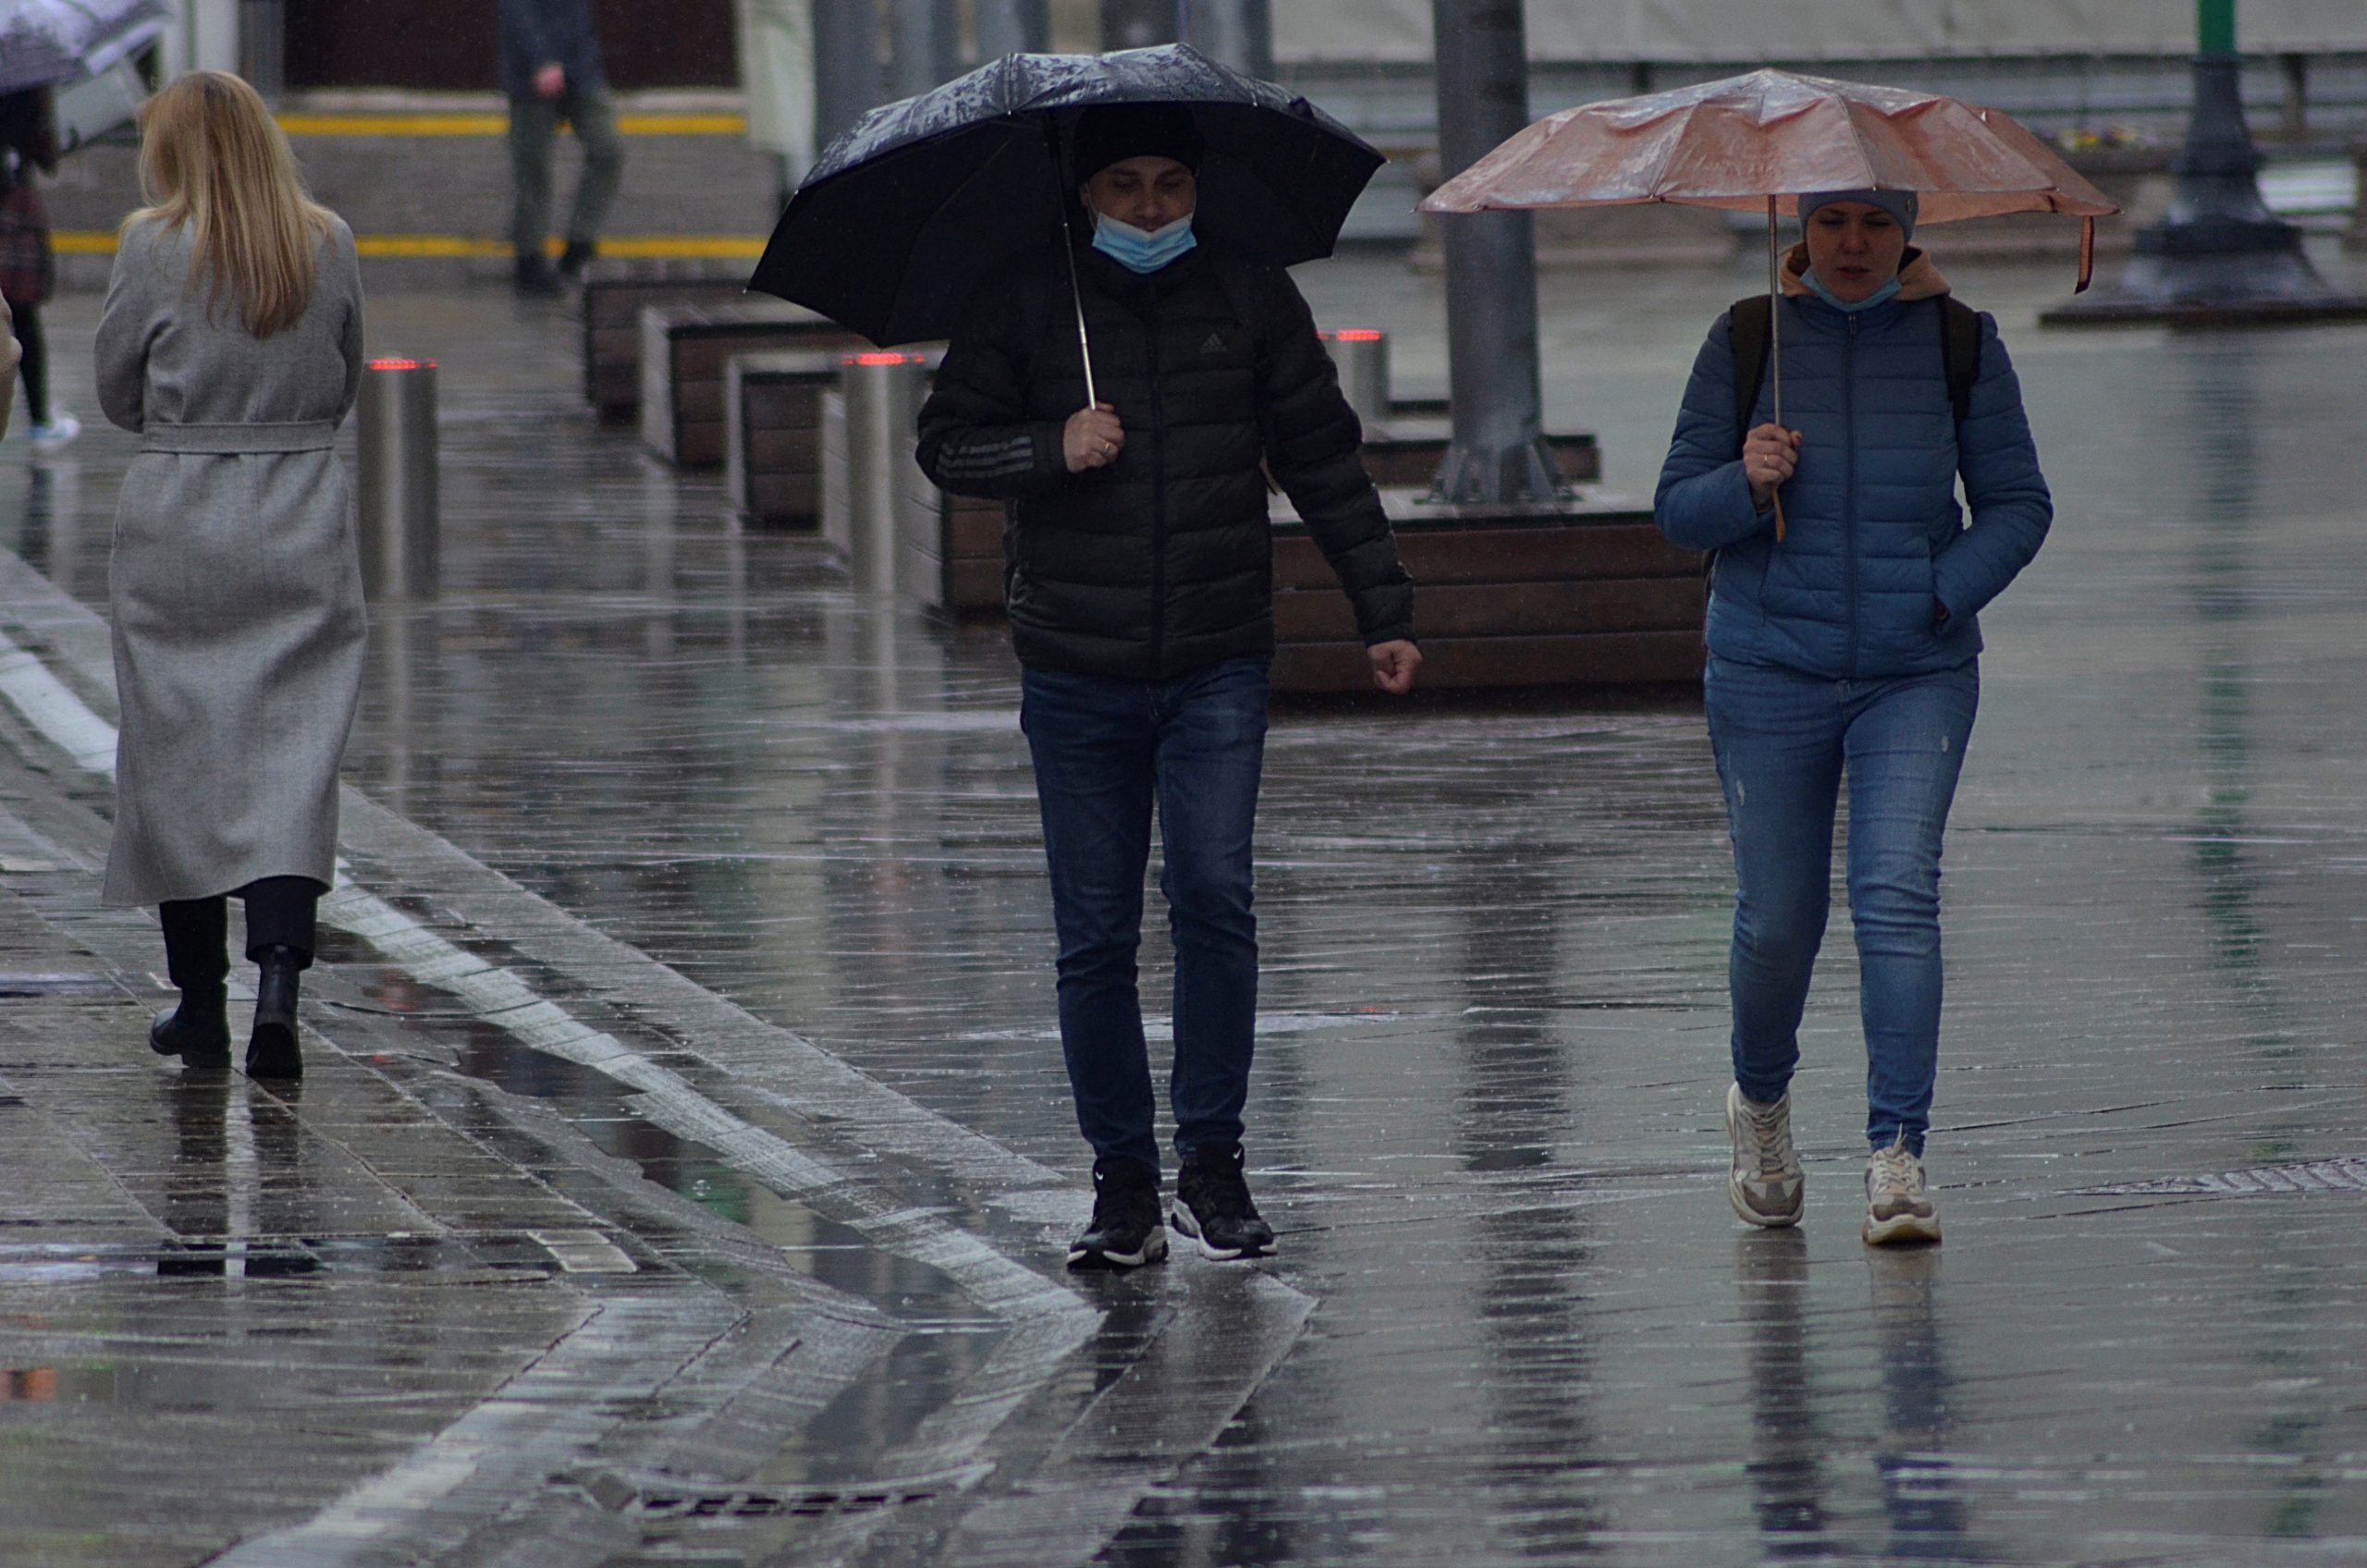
{"x": 1875, "y": 544}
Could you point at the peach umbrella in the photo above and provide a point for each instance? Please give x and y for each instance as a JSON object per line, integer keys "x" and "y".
{"x": 1749, "y": 140}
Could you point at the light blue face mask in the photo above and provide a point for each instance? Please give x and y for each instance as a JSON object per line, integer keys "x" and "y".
{"x": 1142, "y": 249}
{"x": 1816, "y": 287}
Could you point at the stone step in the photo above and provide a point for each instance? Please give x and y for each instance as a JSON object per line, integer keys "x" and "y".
{"x": 426, "y": 186}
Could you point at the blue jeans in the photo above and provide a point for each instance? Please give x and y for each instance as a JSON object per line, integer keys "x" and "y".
{"x": 1783, "y": 741}
{"x": 1106, "y": 750}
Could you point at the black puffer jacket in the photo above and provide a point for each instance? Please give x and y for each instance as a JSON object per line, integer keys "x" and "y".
{"x": 1162, "y": 562}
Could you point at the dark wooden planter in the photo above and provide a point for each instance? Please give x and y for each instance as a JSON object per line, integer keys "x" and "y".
{"x": 684, "y": 351}
{"x": 1586, "y": 594}
{"x": 972, "y": 561}
{"x": 772, "y": 449}
{"x": 615, "y": 293}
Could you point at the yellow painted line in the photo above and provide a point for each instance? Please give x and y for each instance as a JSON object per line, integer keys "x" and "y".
{"x": 499, "y": 125}
{"x": 393, "y": 125}
{"x": 429, "y": 247}
{"x": 682, "y": 125}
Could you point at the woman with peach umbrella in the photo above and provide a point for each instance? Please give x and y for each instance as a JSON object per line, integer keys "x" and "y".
{"x": 1843, "y": 631}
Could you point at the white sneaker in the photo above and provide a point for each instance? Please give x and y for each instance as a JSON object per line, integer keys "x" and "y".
{"x": 61, "y": 429}
{"x": 1765, "y": 1185}
{"x": 1897, "y": 1209}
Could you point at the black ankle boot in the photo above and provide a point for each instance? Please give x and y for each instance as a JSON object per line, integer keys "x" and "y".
{"x": 271, "y": 1051}
{"x": 198, "y": 1031}
{"x": 535, "y": 277}
{"x": 575, "y": 258}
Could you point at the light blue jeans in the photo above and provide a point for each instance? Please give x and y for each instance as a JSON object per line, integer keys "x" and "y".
{"x": 1785, "y": 741}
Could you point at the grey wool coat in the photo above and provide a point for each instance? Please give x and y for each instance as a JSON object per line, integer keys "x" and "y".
{"x": 236, "y": 584}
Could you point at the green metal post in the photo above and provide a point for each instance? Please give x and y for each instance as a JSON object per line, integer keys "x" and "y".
{"x": 2214, "y": 27}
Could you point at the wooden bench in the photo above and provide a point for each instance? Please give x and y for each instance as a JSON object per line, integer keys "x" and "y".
{"x": 684, "y": 351}
{"x": 615, "y": 293}
{"x": 772, "y": 448}
{"x": 1586, "y": 594}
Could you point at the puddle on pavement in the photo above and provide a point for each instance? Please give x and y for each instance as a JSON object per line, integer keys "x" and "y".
{"x": 58, "y": 985}
{"x": 273, "y": 1257}
{"x": 828, "y": 1250}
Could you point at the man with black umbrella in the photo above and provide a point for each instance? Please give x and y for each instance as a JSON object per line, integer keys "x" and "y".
{"x": 1139, "y": 585}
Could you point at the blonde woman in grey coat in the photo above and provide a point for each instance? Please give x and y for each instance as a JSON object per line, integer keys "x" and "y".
{"x": 231, "y": 345}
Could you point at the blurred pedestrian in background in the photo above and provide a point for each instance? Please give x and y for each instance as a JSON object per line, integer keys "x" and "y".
{"x": 1843, "y": 643}
{"x": 550, "y": 69}
{"x": 231, "y": 345}
{"x": 777, "y": 74}
{"x": 1141, "y": 606}
{"x": 29, "y": 143}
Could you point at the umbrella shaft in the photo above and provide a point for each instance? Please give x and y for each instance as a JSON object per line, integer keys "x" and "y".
{"x": 1774, "y": 315}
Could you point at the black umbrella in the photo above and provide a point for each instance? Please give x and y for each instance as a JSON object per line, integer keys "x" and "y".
{"x": 904, "y": 215}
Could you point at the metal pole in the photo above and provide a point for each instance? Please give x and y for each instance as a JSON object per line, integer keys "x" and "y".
{"x": 882, "y": 399}
{"x": 1361, "y": 354}
{"x": 2219, "y": 255}
{"x": 1498, "y": 453}
{"x": 846, "y": 65}
{"x": 396, "y": 421}
{"x": 928, "y": 44}
{"x": 1013, "y": 27}
{"x": 1136, "y": 24}
{"x": 1239, "y": 33}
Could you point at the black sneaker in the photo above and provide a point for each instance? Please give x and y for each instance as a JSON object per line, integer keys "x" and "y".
{"x": 1212, "y": 1207}
{"x": 534, "y": 276}
{"x": 1125, "y": 1232}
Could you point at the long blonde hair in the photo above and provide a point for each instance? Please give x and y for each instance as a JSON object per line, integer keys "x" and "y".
{"x": 213, "y": 159}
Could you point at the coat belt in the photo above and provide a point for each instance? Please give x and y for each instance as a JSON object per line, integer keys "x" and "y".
{"x": 229, "y": 440}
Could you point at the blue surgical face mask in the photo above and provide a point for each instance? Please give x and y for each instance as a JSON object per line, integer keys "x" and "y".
{"x": 1816, "y": 287}
{"x": 1142, "y": 250}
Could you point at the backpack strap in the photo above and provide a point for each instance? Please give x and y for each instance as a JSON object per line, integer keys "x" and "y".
{"x": 1750, "y": 328}
{"x": 1959, "y": 353}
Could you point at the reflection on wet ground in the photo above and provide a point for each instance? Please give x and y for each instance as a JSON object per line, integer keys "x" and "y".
{"x": 1486, "y": 1109}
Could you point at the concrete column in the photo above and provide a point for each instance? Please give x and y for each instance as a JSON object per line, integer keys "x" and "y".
{"x": 846, "y": 65}
{"x": 1498, "y": 453}
{"x": 928, "y": 44}
{"x": 1013, "y": 27}
{"x": 203, "y": 37}
{"x": 1136, "y": 24}
{"x": 1239, "y": 33}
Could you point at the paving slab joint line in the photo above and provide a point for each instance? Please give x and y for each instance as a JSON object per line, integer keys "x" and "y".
{"x": 1049, "y": 1322}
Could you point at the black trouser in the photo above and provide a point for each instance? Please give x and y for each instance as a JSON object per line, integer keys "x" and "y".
{"x": 279, "y": 915}
{"x": 35, "y": 365}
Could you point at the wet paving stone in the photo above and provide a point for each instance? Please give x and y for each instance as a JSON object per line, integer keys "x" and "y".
{"x": 1486, "y": 1110}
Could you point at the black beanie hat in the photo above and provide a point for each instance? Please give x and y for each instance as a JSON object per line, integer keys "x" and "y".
{"x": 1110, "y": 133}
